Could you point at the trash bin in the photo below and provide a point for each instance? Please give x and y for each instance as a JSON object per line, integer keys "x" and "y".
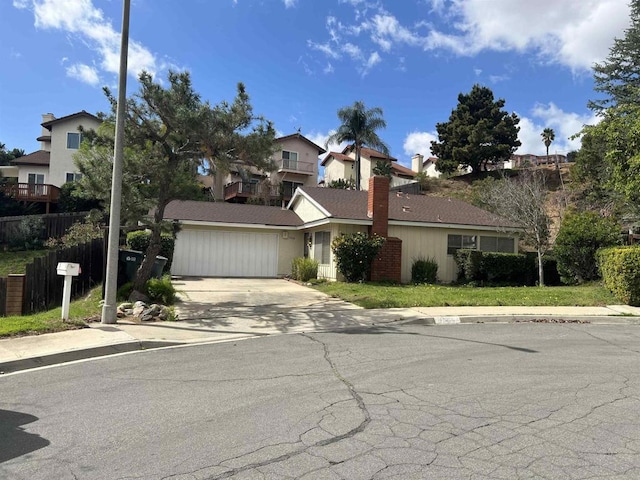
{"x": 129, "y": 261}
{"x": 158, "y": 266}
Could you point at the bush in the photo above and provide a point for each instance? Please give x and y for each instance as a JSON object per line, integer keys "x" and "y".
{"x": 28, "y": 235}
{"x": 73, "y": 198}
{"x": 161, "y": 290}
{"x": 620, "y": 269}
{"x": 469, "y": 265}
{"x": 77, "y": 234}
{"x": 579, "y": 238}
{"x": 304, "y": 269}
{"x": 139, "y": 240}
{"x": 122, "y": 294}
{"x": 424, "y": 270}
{"x": 354, "y": 253}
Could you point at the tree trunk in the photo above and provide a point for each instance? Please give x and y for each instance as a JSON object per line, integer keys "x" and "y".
{"x": 144, "y": 271}
{"x": 540, "y": 269}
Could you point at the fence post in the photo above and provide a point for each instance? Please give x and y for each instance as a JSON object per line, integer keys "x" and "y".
{"x": 15, "y": 294}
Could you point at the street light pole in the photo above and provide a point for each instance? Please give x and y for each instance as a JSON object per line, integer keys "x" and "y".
{"x": 111, "y": 278}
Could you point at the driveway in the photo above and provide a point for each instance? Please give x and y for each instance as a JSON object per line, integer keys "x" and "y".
{"x": 229, "y": 308}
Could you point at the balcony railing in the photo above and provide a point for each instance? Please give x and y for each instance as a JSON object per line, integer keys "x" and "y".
{"x": 248, "y": 189}
{"x": 295, "y": 166}
{"x": 32, "y": 192}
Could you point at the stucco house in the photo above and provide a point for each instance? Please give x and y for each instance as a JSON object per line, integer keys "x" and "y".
{"x": 296, "y": 162}
{"x": 341, "y": 165}
{"x": 40, "y": 174}
{"x": 223, "y": 239}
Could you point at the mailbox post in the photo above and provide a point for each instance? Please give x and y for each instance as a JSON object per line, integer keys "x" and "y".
{"x": 69, "y": 270}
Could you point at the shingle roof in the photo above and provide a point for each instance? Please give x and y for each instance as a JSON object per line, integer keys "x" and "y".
{"x": 222, "y": 212}
{"x": 402, "y": 170}
{"x": 352, "y": 205}
{"x": 369, "y": 152}
{"x": 337, "y": 156}
{"x": 302, "y": 137}
{"x": 82, "y": 113}
{"x": 39, "y": 157}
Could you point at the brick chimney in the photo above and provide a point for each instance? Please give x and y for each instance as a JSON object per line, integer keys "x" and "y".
{"x": 417, "y": 163}
{"x": 378, "y": 205}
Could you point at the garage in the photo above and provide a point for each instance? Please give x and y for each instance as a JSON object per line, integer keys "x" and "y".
{"x": 216, "y": 253}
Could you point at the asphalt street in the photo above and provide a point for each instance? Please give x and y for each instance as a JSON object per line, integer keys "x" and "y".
{"x": 492, "y": 401}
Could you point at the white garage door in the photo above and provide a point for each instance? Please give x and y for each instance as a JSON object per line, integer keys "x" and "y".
{"x": 225, "y": 254}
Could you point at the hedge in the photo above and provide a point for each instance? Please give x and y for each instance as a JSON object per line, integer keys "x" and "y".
{"x": 620, "y": 269}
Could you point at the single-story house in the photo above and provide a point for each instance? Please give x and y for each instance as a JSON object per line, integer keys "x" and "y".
{"x": 240, "y": 240}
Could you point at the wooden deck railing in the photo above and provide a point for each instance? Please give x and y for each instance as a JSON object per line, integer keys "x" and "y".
{"x": 31, "y": 192}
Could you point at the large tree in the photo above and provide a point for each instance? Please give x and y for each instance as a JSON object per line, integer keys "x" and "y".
{"x": 548, "y": 136}
{"x": 618, "y": 76}
{"x": 478, "y": 133}
{"x": 359, "y": 126}
{"x": 170, "y": 133}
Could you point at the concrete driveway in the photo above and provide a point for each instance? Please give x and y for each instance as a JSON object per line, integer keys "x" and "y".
{"x": 228, "y": 308}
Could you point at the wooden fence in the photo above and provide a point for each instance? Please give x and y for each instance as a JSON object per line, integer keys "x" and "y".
{"x": 55, "y": 224}
{"x": 42, "y": 284}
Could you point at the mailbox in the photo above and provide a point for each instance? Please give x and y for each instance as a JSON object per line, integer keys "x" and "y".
{"x": 69, "y": 269}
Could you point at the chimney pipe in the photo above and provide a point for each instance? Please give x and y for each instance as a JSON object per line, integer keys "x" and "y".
{"x": 378, "y": 205}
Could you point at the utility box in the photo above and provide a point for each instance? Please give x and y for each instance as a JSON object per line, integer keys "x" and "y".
{"x": 68, "y": 269}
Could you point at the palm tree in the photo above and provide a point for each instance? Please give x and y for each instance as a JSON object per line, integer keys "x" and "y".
{"x": 548, "y": 136}
{"x": 359, "y": 127}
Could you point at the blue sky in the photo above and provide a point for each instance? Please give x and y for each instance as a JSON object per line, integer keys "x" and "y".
{"x": 302, "y": 60}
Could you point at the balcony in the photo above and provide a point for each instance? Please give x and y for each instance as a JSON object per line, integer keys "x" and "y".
{"x": 241, "y": 191}
{"x": 32, "y": 192}
{"x": 295, "y": 166}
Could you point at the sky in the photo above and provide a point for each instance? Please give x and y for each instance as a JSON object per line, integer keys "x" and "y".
{"x": 302, "y": 60}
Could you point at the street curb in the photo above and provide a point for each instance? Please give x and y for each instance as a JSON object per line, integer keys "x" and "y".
{"x": 560, "y": 319}
{"x": 73, "y": 355}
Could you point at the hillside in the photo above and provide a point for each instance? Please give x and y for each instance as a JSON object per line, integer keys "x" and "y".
{"x": 465, "y": 187}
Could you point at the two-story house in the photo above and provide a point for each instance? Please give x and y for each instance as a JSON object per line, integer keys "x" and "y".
{"x": 341, "y": 165}
{"x": 40, "y": 174}
{"x": 296, "y": 165}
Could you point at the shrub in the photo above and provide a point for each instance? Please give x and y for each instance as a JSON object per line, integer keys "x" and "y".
{"x": 620, "y": 269}
{"x": 122, "y": 294}
{"x": 342, "y": 184}
{"x": 73, "y": 198}
{"x": 579, "y": 238}
{"x": 304, "y": 269}
{"x": 508, "y": 268}
{"x": 469, "y": 265}
{"x": 161, "y": 290}
{"x": 354, "y": 253}
{"x": 139, "y": 240}
{"x": 424, "y": 270}
{"x": 28, "y": 235}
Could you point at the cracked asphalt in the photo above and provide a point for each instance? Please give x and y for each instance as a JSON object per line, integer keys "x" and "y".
{"x": 493, "y": 401}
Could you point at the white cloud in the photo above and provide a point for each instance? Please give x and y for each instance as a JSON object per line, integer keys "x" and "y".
{"x": 328, "y": 69}
{"x": 82, "y": 19}
{"x": 419, "y": 142}
{"x": 84, "y": 73}
{"x": 572, "y": 33}
{"x": 564, "y": 125}
{"x": 290, "y": 3}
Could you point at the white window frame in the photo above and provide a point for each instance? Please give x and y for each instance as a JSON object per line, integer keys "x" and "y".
{"x": 498, "y": 244}
{"x": 80, "y": 137}
{"x": 288, "y": 162}
{"x": 75, "y": 176}
{"x": 35, "y": 177}
{"x": 322, "y": 247}
{"x": 465, "y": 241}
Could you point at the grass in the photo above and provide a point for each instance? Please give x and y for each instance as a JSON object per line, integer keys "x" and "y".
{"x": 406, "y": 296}
{"x": 15, "y": 262}
{"x": 51, "y": 321}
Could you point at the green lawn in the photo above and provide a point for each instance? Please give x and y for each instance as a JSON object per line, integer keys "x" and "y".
{"x": 50, "y": 321}
{"x": 15, "y": 262}
{"x": 404, "y": 296}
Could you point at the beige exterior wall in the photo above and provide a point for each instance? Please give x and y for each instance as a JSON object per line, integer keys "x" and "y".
{"x": 62, "y": 157}
{"x": 307, "y": 154}
{"x": 290, "y": 243}
{"x": 432, "y": 243}
{"x": 307, "y": 211}
{"x": 336, "y": 169}
{"x": 25, "y": 170}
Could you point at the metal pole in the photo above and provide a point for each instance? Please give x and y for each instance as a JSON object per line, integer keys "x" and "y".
{"x": 111, "y": 281}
